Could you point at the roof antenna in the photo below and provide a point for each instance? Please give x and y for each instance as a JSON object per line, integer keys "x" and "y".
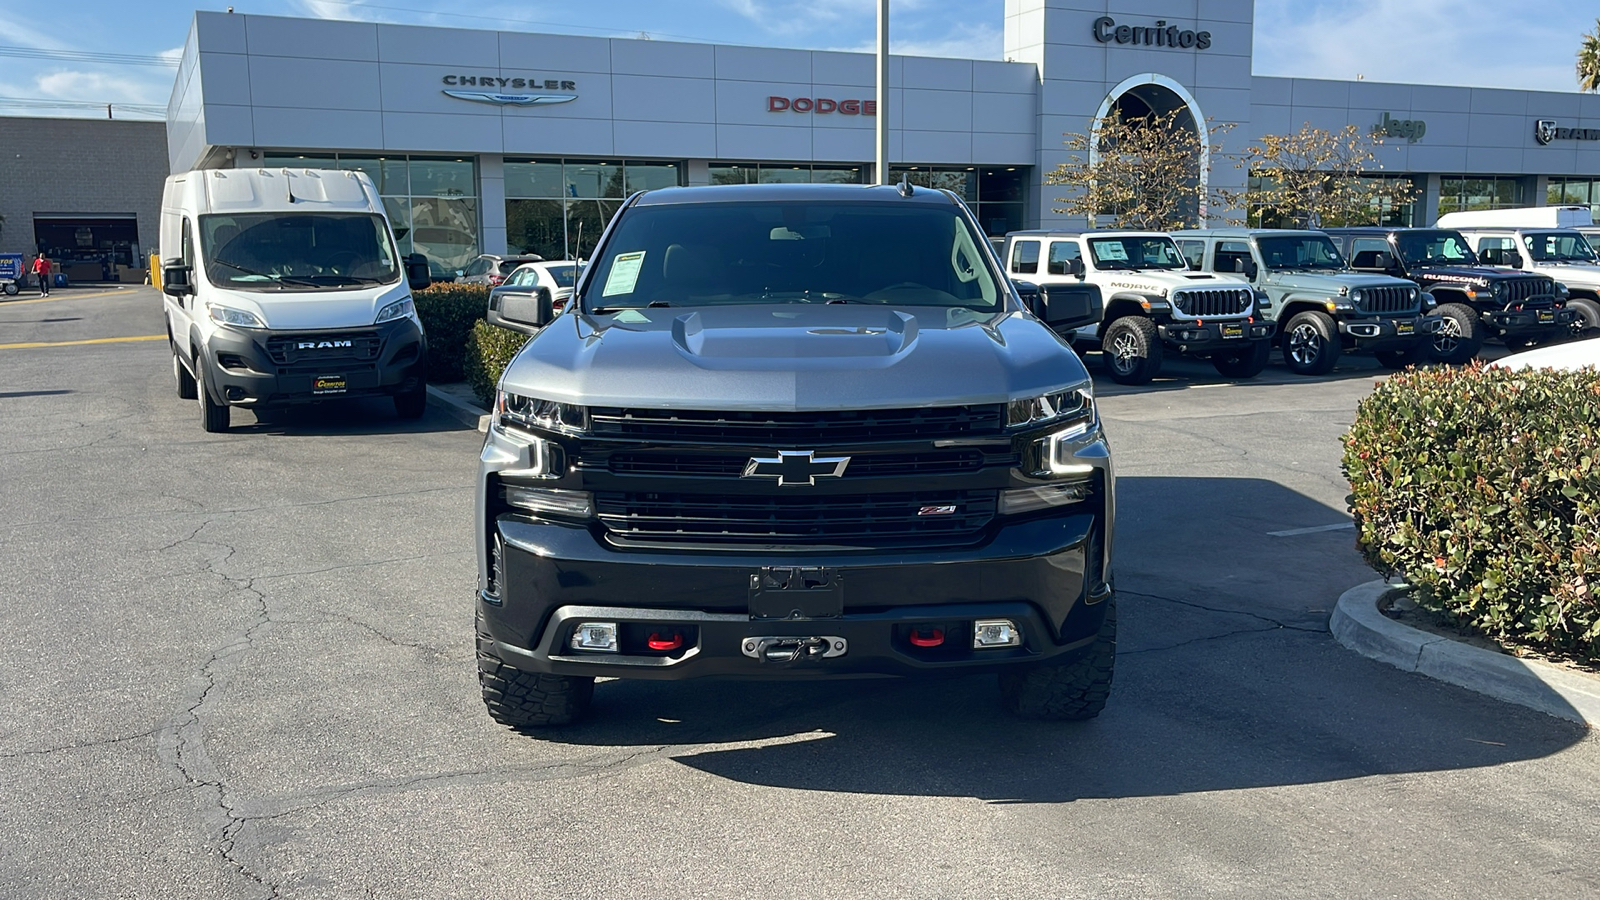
{"x": 904, "y": 187}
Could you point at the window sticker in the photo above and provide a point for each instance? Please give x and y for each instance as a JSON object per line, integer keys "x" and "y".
{"x": 630, "y": 315}
{"x": 624, "y": 273}
{"x": 1110, "y": 250}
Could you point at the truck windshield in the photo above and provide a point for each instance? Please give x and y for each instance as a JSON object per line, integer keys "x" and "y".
{"x": 1135, "y": 253}
{"x": 698, "y": 254}
{"x": 274, "y": 251}
{"x": 1558, "y": 246}
{"x": 1308, "y": 251}
{"x": 1434, "y": 248}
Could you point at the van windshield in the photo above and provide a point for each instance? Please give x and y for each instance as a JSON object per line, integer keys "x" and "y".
{"x": 1558, "y": 246}
{"x": 791, "y": 252}
{"x": 276, "y": 251}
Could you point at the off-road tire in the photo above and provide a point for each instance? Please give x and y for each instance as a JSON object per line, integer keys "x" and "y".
{"x": 1395, "y": 359}
{"x": 1247, "y": 363}
{"x": 411, "y": 404}
{"x": 1066, "y": 692}
{"x": 1588, "y": 324}
{"x": 185, "y": 381}
{"x": 1311, "y": 343}
{"x": 525, "y": 700}
{"x": 1461, "y": 336}
{"x": 213, "y": 416}
{"x": 1132, "y": 350}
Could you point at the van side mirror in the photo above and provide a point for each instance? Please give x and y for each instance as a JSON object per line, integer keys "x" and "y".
{"x": 1065, "y": 307}
{"x": 175, "y": 279}
{"x": 418, "y": 275}
{"x": 515, "y": 311}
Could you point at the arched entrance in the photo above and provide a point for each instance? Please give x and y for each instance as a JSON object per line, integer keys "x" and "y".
{"x": 1152, "y": 94}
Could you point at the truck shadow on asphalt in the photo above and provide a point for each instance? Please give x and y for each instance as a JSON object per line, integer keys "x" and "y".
{"x": 1222, "y": 683}
{"x": 341, "y": 417}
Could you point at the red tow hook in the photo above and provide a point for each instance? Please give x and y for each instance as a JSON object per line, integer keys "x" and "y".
{"x": 657, "y": 642}
{"x": 933, "y": 638}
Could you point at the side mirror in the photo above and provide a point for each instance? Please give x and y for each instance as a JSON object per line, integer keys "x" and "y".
{"x": 1029, "y": 292}
{"x": 417, "y": 272}
{"x": 1067, "y": 307}
{"x": 1514, "y": 259}
{"x": 1384, "y": 261}
{"x": 525, "y": 313}
{"x": 1245, "y": 266}
{"x": 175, "y": 280}
{"x": 1075, "y": 268}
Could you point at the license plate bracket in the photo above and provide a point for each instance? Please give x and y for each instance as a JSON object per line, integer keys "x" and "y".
{"x": 796, "y": 592}
{"x": 1232, "y": 331}
{"x": 1546, "y": 315}
{"x": 1405, "y": 328}
{"x": 324, "y": 385}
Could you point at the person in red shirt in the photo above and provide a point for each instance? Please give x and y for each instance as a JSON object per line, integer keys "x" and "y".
{"x": 41, "y": 268}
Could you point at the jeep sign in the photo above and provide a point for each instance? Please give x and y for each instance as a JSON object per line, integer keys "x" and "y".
{"x": 1410, "y": 129}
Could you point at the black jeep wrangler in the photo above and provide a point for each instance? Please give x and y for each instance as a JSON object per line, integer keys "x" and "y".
{"x": 1477, "y": 303}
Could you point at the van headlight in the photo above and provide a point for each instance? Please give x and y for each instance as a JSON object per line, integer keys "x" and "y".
{"x": 400, "y": 309}
{"x": 532, "y": 412}
{"x": 234, "y": 318}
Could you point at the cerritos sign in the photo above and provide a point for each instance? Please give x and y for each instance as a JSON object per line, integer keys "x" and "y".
{"x": 510, "y": 90}
{"x": 1107, "y": 31}
{"x": 823, "y": 105}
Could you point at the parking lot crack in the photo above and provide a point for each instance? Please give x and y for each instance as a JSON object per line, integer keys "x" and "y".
{"x": 84, "y": 745}
{"x": 1275, "y": 623}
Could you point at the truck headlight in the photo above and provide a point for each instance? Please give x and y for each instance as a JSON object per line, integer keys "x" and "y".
{"x": 533, "y": 412}
{"x": 400, "y": 309}
{"x": 1428, "y": 303}
{"x": 1497, "y": 290}
{"x": 1075, "y": 404}
{"x": 236, "y": 318}
{"x": 1561, "y": 291}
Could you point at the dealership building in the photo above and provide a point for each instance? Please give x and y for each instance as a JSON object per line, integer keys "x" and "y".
{"x": 484, "y": 141}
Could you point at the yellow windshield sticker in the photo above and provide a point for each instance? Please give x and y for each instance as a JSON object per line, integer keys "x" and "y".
{"x": 624, "y": 273}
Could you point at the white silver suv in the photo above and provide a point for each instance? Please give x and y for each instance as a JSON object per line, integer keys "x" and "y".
{"x": 1154, "y": 302}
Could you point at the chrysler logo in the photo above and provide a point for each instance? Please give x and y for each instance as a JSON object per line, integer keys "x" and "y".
{"x": 1544, "y": 130}
{"x": 796, "y": 467}
{"x": 511, "y": 99}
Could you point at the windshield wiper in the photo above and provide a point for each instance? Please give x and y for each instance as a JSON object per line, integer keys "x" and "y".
{"x": 247, "y": 271}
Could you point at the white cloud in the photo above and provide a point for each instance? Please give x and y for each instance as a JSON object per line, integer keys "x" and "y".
{"x": 101, "y": 87}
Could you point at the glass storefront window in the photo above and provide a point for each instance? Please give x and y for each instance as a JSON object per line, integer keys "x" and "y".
{"x": 536, "y": 226}
{"x": 642, "y": 176}
{"x": 431, "y": 177}
{"x": 445, "y": 230}
{"x": 785, "y": 175}
{"x": 593, "y": 179}
{"x": 734, "y": 173}
{"x": 534, "y": 178}
{"x": 1460, "y": 194}
{"x": 836, "y": 174}
{"x": 586, "y": 219}
{"x": 399, "y": 211}
{"x": 388, "y": 173}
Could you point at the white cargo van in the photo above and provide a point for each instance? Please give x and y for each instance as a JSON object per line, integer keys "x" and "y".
{"x": 284, "y": 286}
{"x": 1530, "y": 239}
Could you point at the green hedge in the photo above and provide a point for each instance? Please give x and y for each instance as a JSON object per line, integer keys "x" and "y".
{"x": 1482, "y": 488}
{"x": 448, "y": 312}
{"x": 489, "y": 351}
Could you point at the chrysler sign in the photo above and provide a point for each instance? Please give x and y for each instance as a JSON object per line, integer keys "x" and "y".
{"x": 510, "y": 91}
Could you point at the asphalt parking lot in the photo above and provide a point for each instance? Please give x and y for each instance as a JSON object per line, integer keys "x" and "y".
{"x": 241, "y": 666}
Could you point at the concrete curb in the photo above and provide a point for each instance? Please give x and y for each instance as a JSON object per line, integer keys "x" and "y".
{"x": 1357, "y": 624}
{"x": 468, "y": 414}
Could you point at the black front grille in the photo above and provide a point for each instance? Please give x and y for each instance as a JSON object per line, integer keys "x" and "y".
{"x": 768, "y": 429}
{"x": 1199, "y": 303}
{"x": 804, "y": 518}
{"x": 362, "y": 346}
{"x": 1386, "y": 300}
{"x": 1520, "y": 289}
{"x": 732, "y": 465}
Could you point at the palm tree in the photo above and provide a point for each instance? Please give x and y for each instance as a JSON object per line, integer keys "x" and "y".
{"x": 1589, "y": 60}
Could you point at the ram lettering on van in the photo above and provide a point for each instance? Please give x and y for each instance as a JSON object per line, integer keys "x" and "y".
{"x": 323, "y": 345}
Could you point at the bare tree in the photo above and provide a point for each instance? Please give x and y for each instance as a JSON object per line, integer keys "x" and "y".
{"x": 1315, "y": 177}
{"x": 1139, "y": 173}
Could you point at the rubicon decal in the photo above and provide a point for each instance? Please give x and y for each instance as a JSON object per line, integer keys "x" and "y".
{"x": 823, "y": 105}
{"x": 498, "y": 90}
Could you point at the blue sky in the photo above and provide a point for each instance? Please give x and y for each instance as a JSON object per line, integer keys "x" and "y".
{"x": 1522, "y": 45}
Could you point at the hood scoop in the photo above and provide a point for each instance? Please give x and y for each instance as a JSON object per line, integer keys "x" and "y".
{"x": 746, "y": 333}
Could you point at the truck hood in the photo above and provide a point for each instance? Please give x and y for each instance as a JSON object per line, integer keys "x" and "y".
{"x": 1570, "y": 273}
{"x": 793, "y": 357}
{"x": 1170, "y": 281}
{"x": 1332, "y": 282}
{"x": 301, "y": 310}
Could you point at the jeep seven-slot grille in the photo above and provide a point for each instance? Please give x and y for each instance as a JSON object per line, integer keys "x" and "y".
{"x": 799, "y": 519}
{"x": 801, "y": 429}
{"x": 1386, "y": 300}
{"x": 731, "y": 465}
{"x": 1520, "y": 289}
{"x": 287, "y": 350}
{"x": 1199, "y": 303}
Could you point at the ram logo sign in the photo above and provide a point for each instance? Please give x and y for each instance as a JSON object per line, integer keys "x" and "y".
{"x": 324, "y": 345}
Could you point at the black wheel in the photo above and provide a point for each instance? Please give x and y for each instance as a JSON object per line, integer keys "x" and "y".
{"x": 527, "y": 699}
{"x": 213, "y": 416}
{"x": 1588, "y": 324}
{"x": 10, "y": 288}
{"x": 182, "y": 377}
{"x": 411, "y": 404}
{"x": 1068, "y": 692}
{"x": 1460, "y": 337}
{"x": 1132, "y": 350}
{"x": 1246, "y": 363}
{"x": 1395, "y": 359}
{"x": 1311, "y": 343}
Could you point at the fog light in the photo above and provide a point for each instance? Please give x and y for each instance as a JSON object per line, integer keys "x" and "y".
{"x": 990, "y": 633}
{"x": 577, "y": 504}
{"x": 595, "y": 636}
{"x": 1030, "y": 499}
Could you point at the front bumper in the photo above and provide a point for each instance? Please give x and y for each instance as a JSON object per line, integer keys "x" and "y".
{"x": 1388, "y": 333}
{"x": 1214, "y": 335}
{"x": 1532, "y": 322}
{"x": 240, "y": 370}
{"x": 1045, "y": 575}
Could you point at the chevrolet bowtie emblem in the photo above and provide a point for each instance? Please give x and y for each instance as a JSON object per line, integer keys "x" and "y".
{"x": 796, "y": 467}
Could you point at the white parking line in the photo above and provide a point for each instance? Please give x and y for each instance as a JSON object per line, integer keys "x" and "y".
{"x": 1312, "y": 530}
